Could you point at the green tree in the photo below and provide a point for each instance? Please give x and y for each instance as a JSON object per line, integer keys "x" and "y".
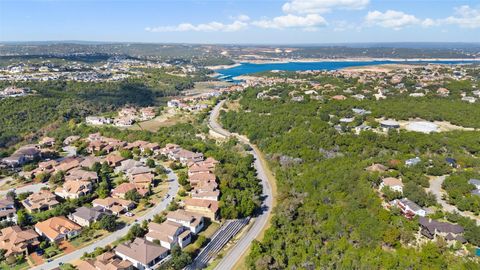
{"x": 108, "y": 222}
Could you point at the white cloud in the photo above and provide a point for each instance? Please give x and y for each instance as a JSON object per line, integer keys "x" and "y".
{"x": 464, "y": 16}
{"x": 321, "y": 6}
{"x": 241, "y": 17}
{"x": 340, "y": 26}
{"x": 203, "y": 27}
{"x": 391, "y": 19}
{"x": 309, "y": 22}
{"x": 429, "y": 22}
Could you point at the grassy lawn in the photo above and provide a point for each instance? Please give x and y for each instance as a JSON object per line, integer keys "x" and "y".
{"x": 84, "y": 240}
{"x": 17, "y": 266}
{"x": 208, "y": 232}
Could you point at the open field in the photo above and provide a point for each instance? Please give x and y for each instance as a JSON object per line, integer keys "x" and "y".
{"x": 205, "y": 87}
{"x": 168, "y": 118}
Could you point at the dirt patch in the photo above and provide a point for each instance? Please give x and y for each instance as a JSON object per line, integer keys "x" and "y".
{"x": 169, "y": 117}
{"x": 66, "y": 247}
{"x": 36, "y": 259}
{"x": 205, "y": 87}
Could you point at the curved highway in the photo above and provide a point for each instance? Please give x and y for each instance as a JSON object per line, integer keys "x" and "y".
{"x": 172, "y": 192}
{"x": 259, "y": 222}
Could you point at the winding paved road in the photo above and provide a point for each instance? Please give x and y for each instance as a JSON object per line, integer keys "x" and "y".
{"x": 259, "y": 222}
{"x": 172, "y": 191}
{"x": 436, "y": 188}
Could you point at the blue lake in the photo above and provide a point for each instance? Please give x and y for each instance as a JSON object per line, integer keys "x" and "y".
{"x": 248, "y": 68}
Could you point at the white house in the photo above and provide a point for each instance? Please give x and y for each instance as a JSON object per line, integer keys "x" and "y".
{"x": 394, "y": 184}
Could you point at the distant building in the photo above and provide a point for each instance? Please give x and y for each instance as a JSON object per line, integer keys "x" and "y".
{"x": 412, "y": 161}
{"x": 389, "y": 124}
{"x": 97, "y": 120}
{"x": 475, "y": 182}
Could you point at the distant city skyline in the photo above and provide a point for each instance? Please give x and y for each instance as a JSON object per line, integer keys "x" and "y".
{"x": 241, "y": 21}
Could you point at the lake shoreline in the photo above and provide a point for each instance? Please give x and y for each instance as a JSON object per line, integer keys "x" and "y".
{"x": 367, "y": 59}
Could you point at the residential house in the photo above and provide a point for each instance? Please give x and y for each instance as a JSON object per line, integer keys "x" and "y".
{"x": 121, "y": 190}
{"x": 85, "y": 216}
{"x": 475, "y": 182}
{"x": 339, "y": 97}
{"x": 40, "y": 201}
{"x": 70, "y": 139}
{"x": 144, "y": 255}
{"x": 168, "y": 233}
{"x": 21, "y": 156}
{"x": 194, "y": 222}
{"x": 97, "y": 120}
{"x": 16, "y": 241}
{"x": 431, "y": 228}
{"x": 8, "y": 211}
{"x": 376, "y": 168}
{"x": 205, "y": 207}
{"x": 137, "y": 170}
{"x": 57, "y": 229}
{"x": 152, "y": 146}
{"x": 88, "y": 161}
{"x": 451, "y": 161}
{"x": 115, "y": 205}
{"x": 443, "y": 92}
{"x": 196, "y": 168}
{"x": 409, "y": 208}
{"x": 95, "y": 146}
{"x": 114, "y": 160}
{"x": 394, "y": 184}
{"x": 72, "y": 189}
{"x": 170, "y": 149}
{"x": 194, "y": 179}
{"x": 67, "y": 164}
{"x": 185, "y": 156}
{"x": 389, "y": 124}
{"x": 412, "y": 161}
{"x": 127, "y": 165}
{"x": 95, "y": 137}
{"x": 105, "y": 261}
{"x": 147, "y": 113}
{"x": 205, "y": 195}
{"x": 47, "y": 142}
{"x": 78, "y": 174}
{"x": 144, "y": 179}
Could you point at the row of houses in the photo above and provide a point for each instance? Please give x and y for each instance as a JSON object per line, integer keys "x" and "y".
{"x": 186, "y": 104}
{"x": 205, "y": 193}
{"x": 126, "y": 117}
{"x": 147, "y": 253}
{"x": 181, "y": 225}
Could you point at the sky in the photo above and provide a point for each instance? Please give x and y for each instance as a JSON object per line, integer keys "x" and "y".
{"x": 241, "y": 21}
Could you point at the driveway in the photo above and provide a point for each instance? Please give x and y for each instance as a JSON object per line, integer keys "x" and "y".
{"x": 260, "y": 221}
{"x": 172, "y": 192}
{"x": 436, "y": 188}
